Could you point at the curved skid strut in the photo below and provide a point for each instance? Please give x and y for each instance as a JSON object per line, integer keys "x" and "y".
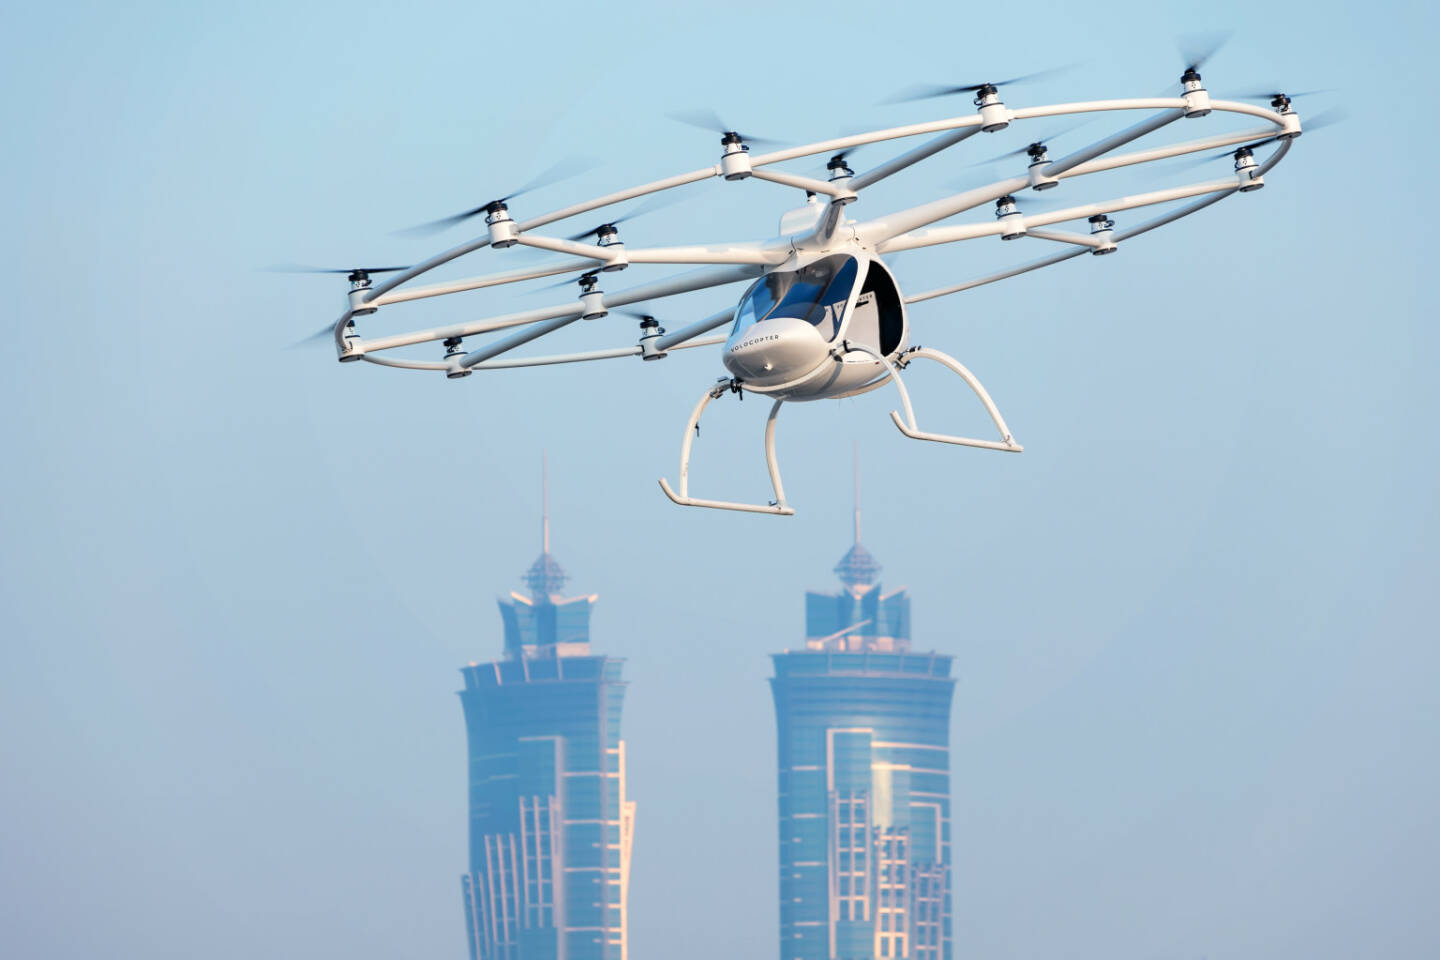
{"x": 683, "y": 498}
{"x": 911, "y": 429}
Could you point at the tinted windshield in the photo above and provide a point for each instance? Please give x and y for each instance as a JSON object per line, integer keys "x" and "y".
{"x": 816, "y": 294}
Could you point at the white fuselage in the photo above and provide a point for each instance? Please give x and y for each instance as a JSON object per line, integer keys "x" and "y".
{"x": 811, "y": 330}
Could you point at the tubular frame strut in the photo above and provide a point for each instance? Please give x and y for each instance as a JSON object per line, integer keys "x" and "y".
{"x": 777, "y": 507}
{"x": 892, "y": 232}
{"x": 911, "y": 429}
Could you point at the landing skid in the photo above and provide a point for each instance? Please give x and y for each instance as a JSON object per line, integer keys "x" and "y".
{"x": 777, "y": 506}
{"x": 907, "y": 425}
{"x": 911, "y": 429}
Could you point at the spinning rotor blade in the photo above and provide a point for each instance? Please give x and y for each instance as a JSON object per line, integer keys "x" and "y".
{"x": 1197, "y": 48}
{"x": 1263, "y": 95}
{"x": 565, "y": 282}
{"x": 1042, "y": 142}
{"x": 324, "y": 333}
{"x": 1029, "y": 203}
{"x": 560, "y": 170}
{"x": 707, "y": 119}
{"x": 840, "y": 158}
{"x": 658, "y": 201}
{"x": 930, "y": 91}
{"x": 294, "y": 268}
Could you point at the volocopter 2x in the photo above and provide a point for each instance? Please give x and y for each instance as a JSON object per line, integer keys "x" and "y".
{"x": 823, "y": 316}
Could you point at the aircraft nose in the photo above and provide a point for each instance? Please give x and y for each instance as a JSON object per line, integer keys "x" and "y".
{"x": 774, "y": 351}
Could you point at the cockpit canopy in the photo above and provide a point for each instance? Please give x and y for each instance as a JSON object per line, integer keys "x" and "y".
{"x": 816, "y": 293}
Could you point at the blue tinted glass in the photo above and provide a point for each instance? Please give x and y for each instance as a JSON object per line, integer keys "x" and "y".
{"x": 815, "y": 293}
{"x": 761, "y": 298}
{"x": 830, "y": 307}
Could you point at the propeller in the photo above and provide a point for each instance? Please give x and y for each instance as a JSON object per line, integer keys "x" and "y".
{"x": 324, "y": 333}
{"x": 927, "y": 92}
{"x": 657, "y": 202}
{"x": 1031, "y": 147}
{"x": 1277, "y": 94}
{"x": 838, "y": 161}
{"x": 707, "y": 119}
{"x": 356, "y": 273}
{"x": 1029, "y": 203}
{"x": 565, "y": 282}
{"x": 556, "y": 172}
{"x": 1197, "y": 48}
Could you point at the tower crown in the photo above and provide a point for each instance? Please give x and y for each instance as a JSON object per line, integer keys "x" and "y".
{"x": 545, "y": 623}
{"x": 860, "y": 617}
{"x": 857, "y": 568}
{"x": 545, "y": 577}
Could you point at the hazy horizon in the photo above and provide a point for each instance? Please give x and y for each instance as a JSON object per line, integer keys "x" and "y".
{"x": 1193, "y": 623}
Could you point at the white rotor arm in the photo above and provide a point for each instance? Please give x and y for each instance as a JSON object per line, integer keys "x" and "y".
{"x": 405, "y": 276}
{"x": 685, "y": 283}
{"x": 679, "y": 340}
{"x": 840, "y": 192}
{"x": 938, "y": 235}
{"x": 478, "y": 283}
{"x": 1164, "y": 153}
{"x": 1002, "y": 275}
{"x": 590, "y": 251}
{"x": 620, "y": 196}
{"x": 973, "y": 121}
{"x": 681, "y": 336}
{"x": 752, "y": 252}
{"x": 572, "y": 310}
{"x": 1099, "y": 147}
{"x": 912, "y": 157}
{"x": 860, "y": 139}
{"x": 1173, "y": 215}
{"x": 408, "y": 364}
{"x": 1099, "y": 106}
{"x": 520, "y": 338}
{"x": 758, "y": 254}
{"x": 1132, "y": 202}
{"x": 1274, "y": 158}
{"x": 886, "y": 230}
{"x": 511, "y": 363}
{"x": 1060, "y": 236}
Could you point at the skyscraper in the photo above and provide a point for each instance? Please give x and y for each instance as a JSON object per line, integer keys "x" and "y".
{"x": 550, "y": 823}
{"x": 864, "y": 755}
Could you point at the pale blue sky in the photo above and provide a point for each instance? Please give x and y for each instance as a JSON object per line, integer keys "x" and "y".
{"x": 1193, "y": 623}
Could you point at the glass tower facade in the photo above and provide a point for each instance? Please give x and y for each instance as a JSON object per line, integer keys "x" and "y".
{"x": 550, "y": 822}
{"x": 864, "y": 758}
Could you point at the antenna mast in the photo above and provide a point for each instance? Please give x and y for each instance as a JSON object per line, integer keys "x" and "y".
{"x": 857, "y": 490}
{"x": 544, "y": 502}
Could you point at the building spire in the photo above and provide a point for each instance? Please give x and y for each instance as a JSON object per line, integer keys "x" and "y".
{"x": 544, "y": 502}
{"x": 857, "y": 569}
{"x": 856, "y": 458}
